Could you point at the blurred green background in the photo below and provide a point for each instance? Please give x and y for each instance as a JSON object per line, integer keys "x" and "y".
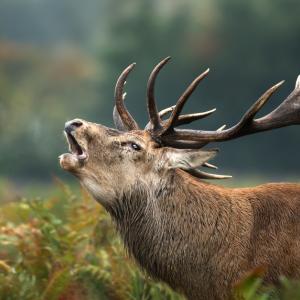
{"x": 59, "y": 59}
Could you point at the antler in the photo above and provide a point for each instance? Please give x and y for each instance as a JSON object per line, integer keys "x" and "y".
{"x": 152, "y": 110}
{"x": 155, "y": 124}
{"x": 122, "y": 118}
{"x": 165, "y": 131}
{"x": 171, "y": 123}
{"x": 182, "y": 120}
{"x": 288, "y": 113}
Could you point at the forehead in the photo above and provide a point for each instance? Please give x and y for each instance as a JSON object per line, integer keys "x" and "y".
{"x": 138, "y": 135}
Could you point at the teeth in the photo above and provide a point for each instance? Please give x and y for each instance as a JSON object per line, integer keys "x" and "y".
{"x": 82, "y": 156}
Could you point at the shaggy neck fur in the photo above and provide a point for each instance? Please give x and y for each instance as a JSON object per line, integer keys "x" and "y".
{"x": 161, "y": 227}
{"x": 202, "y": 239}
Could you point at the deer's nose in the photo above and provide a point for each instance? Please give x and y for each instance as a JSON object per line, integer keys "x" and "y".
{"x": 72, "y": 125}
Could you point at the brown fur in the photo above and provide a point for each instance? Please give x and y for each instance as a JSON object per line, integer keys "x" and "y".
{"x": 198, "y": 237}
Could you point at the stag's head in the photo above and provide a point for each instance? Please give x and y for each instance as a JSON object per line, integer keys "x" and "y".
{"x": 109, "y": 161}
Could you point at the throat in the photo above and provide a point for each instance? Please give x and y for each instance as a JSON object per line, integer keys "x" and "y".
{"x": 162, "y": 229}
{"x": 138, "y": 218}
{"x": 136, "y": 214}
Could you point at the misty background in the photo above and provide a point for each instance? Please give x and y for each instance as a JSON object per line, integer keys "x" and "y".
{"x": 60, "y": 59}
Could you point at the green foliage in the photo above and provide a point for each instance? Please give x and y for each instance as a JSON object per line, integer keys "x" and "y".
{"x": 249, "y": 288}
{"x": 252, "y": 288}
{"x": 65, "y": 248}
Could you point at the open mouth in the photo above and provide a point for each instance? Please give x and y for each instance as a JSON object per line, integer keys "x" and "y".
{"x": 75, "y": 148}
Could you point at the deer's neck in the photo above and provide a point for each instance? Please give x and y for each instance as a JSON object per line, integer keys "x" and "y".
{"x": 173, "y": 226}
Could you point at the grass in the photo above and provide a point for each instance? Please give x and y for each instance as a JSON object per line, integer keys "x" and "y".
{"x": 64, "y": 247}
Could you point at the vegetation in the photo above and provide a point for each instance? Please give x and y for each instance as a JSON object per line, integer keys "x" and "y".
{"x": 65, "y": 248}
{"x": 59, "y": 59}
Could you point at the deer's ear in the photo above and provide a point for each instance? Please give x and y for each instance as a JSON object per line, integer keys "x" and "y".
{"x": 188, "y": 159}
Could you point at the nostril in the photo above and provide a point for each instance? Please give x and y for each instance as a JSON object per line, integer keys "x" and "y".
{"x": 77, "y": 124}
{"x": 72, "y": 125}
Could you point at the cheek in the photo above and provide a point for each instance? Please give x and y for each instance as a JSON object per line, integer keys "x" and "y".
{"x": 144, "y": 163}
{"x": 138, "y": 159}
{"x": 104, "y": 165}
{"x": 105, "y": 154}
{"x": 159, "y": 164}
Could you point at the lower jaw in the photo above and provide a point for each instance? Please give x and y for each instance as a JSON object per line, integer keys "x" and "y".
{"x": 69, "y": 162}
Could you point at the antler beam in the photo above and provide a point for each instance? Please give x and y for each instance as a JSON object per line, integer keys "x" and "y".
{"x": 164, "y": 131}
{"x": 286, "y": 114}
{"x": 122, "y": 118}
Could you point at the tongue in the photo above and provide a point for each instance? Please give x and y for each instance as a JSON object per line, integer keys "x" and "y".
{"x": 78, "y": 149}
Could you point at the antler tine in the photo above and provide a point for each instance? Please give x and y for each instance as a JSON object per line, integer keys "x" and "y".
{"x": 165, "y": 111}
{"x": 221, "y": 128}
{"x": 284, "y": 115}
{"x": 250, "y": 114}
{"x": 184, "y": 119}
{"x": 189, "y": 118}
{"x": 211, "y": 166}
{"x": 152, "y": 109}
{"x": 287, "y": 113}
{"x": 162, "y": 113}
{"x": 122, "y": 117}
{"x": 170, "y": 124}
{"x": 205, "y": 175}
{"x": 297, "y": 85}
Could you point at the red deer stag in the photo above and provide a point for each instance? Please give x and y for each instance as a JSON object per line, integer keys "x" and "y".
{"x": 198, "y": 237}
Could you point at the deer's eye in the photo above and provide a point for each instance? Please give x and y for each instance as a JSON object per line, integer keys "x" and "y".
{"x": 135, "y": 146}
